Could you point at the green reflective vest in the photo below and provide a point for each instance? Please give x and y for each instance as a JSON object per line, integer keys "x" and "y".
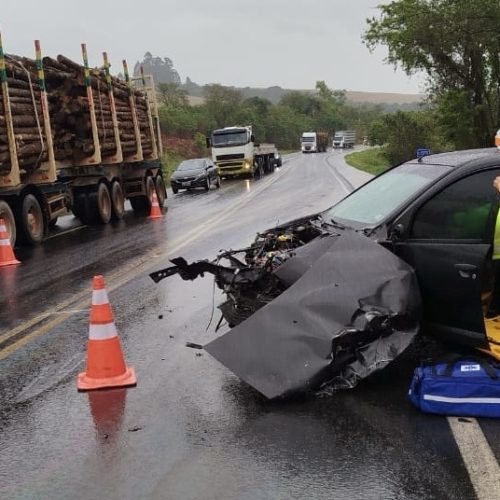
{"x": 496, "y": 239}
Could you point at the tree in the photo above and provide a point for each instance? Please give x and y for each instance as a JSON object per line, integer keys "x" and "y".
{"x": 172, "y": 95}
{"x": 162, "y": 69}
{"x": 222, "y": 103}
{"x": 456, "y": 43}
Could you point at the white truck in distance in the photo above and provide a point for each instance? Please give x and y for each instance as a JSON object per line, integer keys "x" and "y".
{"x": 235, "y": 153}
{"x": 344, "y": 139}
{"x": 314, "y": 142}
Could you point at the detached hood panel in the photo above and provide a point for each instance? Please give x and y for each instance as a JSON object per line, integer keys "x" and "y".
{"x": 351, "y": 306}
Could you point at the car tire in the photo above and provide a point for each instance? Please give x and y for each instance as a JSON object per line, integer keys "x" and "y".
{"x": 207, "y": 184}
{"x": 32, "y": 223}
{"x": 174, "y": 190}
{"x": 217, "y": 182}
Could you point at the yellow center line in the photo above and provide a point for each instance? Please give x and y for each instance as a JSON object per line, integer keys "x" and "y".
{"x": 121, "y": 277}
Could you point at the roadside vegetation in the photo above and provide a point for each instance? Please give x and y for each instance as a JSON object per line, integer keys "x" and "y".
{"x": 372, "y": 160}
{"x": 459, "y": 55}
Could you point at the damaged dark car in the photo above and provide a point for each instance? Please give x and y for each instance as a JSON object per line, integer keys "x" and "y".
{"x": 324, "y": 301}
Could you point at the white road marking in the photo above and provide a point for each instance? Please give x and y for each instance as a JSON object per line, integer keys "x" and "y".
{"x": 480, "y": 462}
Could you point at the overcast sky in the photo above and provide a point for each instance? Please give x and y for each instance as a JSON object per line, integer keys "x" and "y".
{"x": 258, "y": 43}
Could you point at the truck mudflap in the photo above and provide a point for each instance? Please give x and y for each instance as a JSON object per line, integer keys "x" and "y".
{"x": 338, "y": 309}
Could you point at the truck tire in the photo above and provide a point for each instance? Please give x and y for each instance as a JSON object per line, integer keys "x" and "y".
{"x": 161, "y": 190}
{"x": 31, "y": 220}
{"x": 10, "y": 223}
{"x": 142, "y": 204}
{"x": 117, "y": 200}
{"x": 104, "y": 204}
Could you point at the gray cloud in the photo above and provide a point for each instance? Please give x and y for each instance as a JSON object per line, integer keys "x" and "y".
{"x": 291, "y": 43}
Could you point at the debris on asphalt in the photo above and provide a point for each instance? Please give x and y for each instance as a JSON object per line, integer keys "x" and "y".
{"x": 193, "y": 345}
{"x": 311, "y": 307}
{"x": 199, "y": 354}
{"x": 160, "y": 316}
{"x": 135, "y": 429}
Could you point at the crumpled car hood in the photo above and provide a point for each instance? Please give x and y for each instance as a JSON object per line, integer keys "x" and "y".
{"x": 350, "y": 308}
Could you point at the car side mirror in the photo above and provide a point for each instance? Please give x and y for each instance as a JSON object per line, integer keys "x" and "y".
{"x": 398, "y": 232}
{"x": 209, "y": 142}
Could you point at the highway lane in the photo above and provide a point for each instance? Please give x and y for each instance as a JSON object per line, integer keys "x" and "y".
{"x": 191, "y": 429}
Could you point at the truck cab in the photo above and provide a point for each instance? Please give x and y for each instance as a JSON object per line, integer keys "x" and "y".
{"x": 233, "y": 150}
{"x": 309, "y": 142}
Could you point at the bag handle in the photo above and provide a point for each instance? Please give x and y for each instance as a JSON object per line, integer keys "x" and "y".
{"x": 480, "y": 361}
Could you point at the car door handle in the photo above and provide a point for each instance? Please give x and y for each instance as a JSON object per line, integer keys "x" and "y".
{"x": 467, "y": 271}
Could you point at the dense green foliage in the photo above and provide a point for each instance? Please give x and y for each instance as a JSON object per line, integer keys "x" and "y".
{"x": 456, "y": 43}
{"x": 281, "y": 123}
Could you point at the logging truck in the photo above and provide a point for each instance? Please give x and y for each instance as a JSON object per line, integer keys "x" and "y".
{"x": 74, "y": 139}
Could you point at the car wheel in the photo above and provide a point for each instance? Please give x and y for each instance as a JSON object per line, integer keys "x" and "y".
{"x": 174, "y": 189}
{"x": 217, "y": 182}
{"x": 207, "y": 184}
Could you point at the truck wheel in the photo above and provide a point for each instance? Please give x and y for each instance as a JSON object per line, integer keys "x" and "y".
{"x": 10, "y": 223}
{"x": 104, "y": 205}
{"x": 118, "y": 200}
{"x": 161, "y": 190}
{"x": 142, "y": 204}
{"x": 217, "y": 182}
{"x": 32, "y": 224}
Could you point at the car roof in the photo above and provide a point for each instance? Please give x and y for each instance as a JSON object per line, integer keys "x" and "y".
{"x": 460, "y": 158}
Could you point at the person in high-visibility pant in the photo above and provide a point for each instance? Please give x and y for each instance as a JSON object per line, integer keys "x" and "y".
{"x": 492, "y": 318}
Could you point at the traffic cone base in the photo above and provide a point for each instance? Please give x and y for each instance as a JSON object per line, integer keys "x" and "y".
{"x": 127, "y": 379}
{"x": 155, "y": 208}
{"x": 7, "y": 257}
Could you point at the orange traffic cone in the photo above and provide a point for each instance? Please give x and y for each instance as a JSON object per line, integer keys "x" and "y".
{"x": 155, "y": 208}
{"x": 7, "y": 257}
{"x": 105, "y": 364}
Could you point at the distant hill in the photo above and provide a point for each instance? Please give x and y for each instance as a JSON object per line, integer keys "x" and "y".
{"x": 274, "y": 94}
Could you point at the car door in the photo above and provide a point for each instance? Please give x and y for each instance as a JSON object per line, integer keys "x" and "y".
{"x": 448, "y": 240}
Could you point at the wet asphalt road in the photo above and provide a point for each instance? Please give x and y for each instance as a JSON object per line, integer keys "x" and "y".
{"x": 191, "y": 429}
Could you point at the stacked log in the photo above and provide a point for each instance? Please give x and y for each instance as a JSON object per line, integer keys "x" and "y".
{"x": 142, "y": 117}
{"x": 70, "y": 115}
{"x": 27, "y": 118}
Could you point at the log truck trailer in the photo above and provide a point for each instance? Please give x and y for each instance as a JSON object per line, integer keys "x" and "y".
{"x": 95, "y": 181}
{"x": 235, "y": 152}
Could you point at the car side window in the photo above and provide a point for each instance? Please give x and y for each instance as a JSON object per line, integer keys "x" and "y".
{"x": 459, "y": 212}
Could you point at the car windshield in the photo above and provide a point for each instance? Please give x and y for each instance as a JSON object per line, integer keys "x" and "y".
{"x": 195, "y": 164}
{"x": 236, "y": 138}
{"x": 374, "y": 202}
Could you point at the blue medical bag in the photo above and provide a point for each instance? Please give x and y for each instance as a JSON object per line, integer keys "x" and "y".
{"x": 468, "y": 387}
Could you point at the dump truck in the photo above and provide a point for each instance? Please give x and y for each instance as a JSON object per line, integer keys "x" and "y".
{"x": 344, "y": 139}
{"x": 74, "y": 139}
{"x": 314, "y": 142}
{"x": 235, "y": 152}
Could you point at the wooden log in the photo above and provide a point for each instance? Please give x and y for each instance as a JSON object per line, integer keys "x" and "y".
{"x": 21, "y": 92}
{"x": 68, "y": 63}
{"x": 21, "y": 121}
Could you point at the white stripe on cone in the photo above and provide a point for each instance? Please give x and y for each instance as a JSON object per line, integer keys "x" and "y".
{"x": 99, "y": 297}
{"x": 4, "y": 243}
{"x": 102, "y": 332}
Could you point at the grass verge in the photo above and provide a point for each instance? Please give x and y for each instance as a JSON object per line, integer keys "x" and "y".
{"x": 169, "y": 163}
{"x": 370, "y": 160}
